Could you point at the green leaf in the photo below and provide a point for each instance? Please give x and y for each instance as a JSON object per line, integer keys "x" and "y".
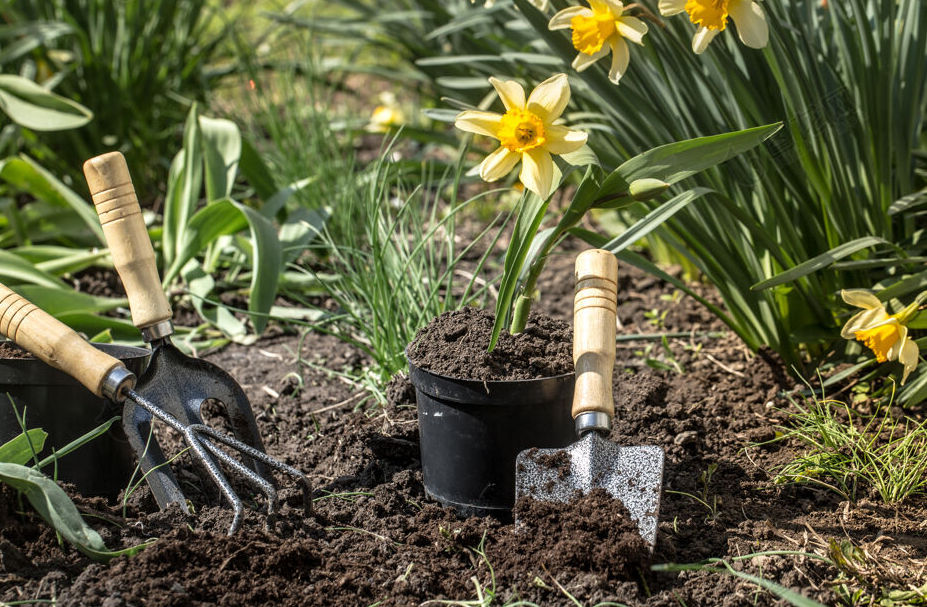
{"x": 26, "y": 175}
{"x": 221, "y": 152}
{"x": 61, "y": 300}
{"x": 654, "y": 219}
{"x": 224, "y": 217}
{"x": 529, "y": 220}
{"x": 676, "y": 161}
{"x": 819, "y": 262}
{"x": 255, "y": 170}
{"x": 18, "y": 451}
{"x": 57, "y": 509}
{"x": 29, "y": 105}
{"x": 14, "y": 269}
{"x": 90, "y": 324}
{"x": 78, "y": 442}
{"x": 183, "y": 190}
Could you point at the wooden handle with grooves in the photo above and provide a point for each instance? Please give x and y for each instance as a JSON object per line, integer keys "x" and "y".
{"x": 595, "y": 308}
{"x": 53, "y": 342}
{"x": 124, "y": 228}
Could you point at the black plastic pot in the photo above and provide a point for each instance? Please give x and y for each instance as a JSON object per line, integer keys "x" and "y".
{"x": 58, "y": 404}
{"x": 471, "y": 431}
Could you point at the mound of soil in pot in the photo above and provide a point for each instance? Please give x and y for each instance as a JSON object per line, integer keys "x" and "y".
{"x": 455, "y": 344}
{"x": 10, "y": 350}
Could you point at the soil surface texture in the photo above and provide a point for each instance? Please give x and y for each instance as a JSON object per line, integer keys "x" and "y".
{"x": 454, "y": 345}
{"x": 374, "y": 538}
{"x": 10, "y": 350}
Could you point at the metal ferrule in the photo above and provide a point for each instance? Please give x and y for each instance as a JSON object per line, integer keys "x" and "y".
{"x": 159, "y": 330}
{"x": 589, "y": 421}
{"x": 116, "y": 382}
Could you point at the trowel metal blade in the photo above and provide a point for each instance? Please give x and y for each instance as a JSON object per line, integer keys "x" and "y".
{"x": 633, "y": 475}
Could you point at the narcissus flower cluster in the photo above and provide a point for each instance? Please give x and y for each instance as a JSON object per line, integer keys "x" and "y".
{"x": 711, "y": 18}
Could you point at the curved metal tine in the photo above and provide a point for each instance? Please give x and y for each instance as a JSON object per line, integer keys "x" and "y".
{"x": 250, "y": 451}
{"x": 248, "y": 474}
{"x": 194, "y": 442}
{"x": 216, "y": 474}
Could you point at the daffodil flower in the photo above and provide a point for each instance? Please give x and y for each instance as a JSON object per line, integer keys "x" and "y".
{"x": 711, "y": 18}
{"x": 599, "y": 29}
{"x": 886, "y": 335}
{"x": 526, "y": 132}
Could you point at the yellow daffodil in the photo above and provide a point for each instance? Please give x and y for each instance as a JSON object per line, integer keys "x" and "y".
{"x": 711, "y": 18}
{"x": 526, "y": 132}
{"x": 599, "y": 29}
{"x": 886, "y": 335}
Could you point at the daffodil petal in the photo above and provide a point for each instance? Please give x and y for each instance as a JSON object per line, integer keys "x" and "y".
{"x": 751, "y": 23}
{"x": 860, "y": 298}
{"x": 561, "y": 140}
{"x": 620, "y": 59}
{"x": 631, "y": 28}
{"x": 867, "y": 319}
{"x": 550, "y": 98}
{"x": 510, "y": 92}
{"x": 583, "y": 60}
{"x": 671, "y": 7}
{"x": 598, "y": 6}
{"x": 564, "y": 18}
{"x": 895, "y": 350}
{"x": 498, "y": 164}
{"x": 537, "y": 171}
{"x": 909, "y": 357}
{"x": 481, "y": 123}
{"x": 703, "y": 36}
{"x": 615, "y": 7}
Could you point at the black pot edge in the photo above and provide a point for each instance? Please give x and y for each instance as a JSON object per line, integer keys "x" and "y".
{"x": 482, "y": 382}
{"x": 467, "y": 510}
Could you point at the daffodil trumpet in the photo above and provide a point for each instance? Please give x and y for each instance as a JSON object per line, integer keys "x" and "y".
{"x": 885, "y": 334}
{"x": 601, "y": 28}
{"x": 711, "y": 18}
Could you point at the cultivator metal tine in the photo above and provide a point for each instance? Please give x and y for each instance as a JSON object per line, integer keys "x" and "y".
{"x": 199, "y": 437}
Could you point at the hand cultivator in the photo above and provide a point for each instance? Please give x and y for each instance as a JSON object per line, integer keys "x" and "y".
{"x": 173, "y": 387}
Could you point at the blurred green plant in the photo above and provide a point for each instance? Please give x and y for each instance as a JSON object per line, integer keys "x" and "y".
{"x": 138, "y": 66}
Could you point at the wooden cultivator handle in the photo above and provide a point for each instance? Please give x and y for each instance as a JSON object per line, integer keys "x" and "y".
{"x": 124, "y": 228}
{"x": 594, "y": 326}
{"x": 54, "y": 343}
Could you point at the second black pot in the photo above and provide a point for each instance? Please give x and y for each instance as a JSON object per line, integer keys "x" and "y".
{"x": 66, "y": 410}
{"x": 471, "y": 431}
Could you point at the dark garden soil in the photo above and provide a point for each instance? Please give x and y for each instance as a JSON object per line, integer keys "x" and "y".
{"x": 454, "y": 345}
{"x": 375, "y": 538}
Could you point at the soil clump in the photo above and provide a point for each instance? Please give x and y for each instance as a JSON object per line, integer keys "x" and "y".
{"x": 455, "y": 344}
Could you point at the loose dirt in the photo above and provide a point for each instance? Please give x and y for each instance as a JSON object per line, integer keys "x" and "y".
{"x": 11, "y": 350}
{"x": 455, "y": 345}
{"x": 375, "y": 538}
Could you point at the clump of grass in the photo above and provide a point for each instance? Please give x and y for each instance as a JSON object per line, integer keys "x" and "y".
{"x": 849, "y": 452}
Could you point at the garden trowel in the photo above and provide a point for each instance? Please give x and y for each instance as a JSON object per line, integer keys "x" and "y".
{"x": 633, "y": 475}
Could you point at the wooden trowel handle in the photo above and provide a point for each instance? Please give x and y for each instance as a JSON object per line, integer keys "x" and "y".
{"x": 124, "y": 228}
{"x": 594, "y": 327}
{"x": 53, "y": 342}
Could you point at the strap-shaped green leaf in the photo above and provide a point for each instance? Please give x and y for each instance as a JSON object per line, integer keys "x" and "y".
{"x": 819, "y": 262}
{"x": 676, "y": 161}
{"x": 34, "y": 107}
{"x": 18, "y": 449}
{"x": 27, "y": 175}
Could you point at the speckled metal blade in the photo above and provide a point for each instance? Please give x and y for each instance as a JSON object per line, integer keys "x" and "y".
{"x": 633, "y": 475}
